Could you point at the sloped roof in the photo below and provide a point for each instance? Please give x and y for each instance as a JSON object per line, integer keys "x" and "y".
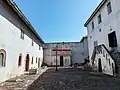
{"x": 95, "y": 12}
{"x": 83, "y": 39}
{"x": 23, "y": 18}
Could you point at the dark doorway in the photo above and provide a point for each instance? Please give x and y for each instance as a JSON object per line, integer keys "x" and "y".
{"x": 61, "y": 61}
{"x": 112, "y": 39}
{"x": 99, "y": 65}
{"x": 20, "y": 60}
{"x": 113, "y": 69}
{"x": 27, "y": 63}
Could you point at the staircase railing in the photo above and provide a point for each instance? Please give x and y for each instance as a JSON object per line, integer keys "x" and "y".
{"x": 116, "y": 68}
{"x": 98, "y": 50}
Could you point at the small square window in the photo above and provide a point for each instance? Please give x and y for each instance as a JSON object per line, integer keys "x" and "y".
{"x": 90, "y": 37}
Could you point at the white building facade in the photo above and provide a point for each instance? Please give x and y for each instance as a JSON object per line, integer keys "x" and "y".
{"x": 104, "y": 36}
{"x": 63, "y": 57}
{"x": 20, "y": 45}
{"x": 78, "y": 51}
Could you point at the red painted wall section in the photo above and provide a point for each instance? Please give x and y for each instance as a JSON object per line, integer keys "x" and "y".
{"x": 62, "y": 51}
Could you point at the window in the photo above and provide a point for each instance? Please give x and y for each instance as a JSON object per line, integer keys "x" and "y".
{"x": 2, "y": 58}
{"x": 40, "y": 63}
{"x": 39, "y": 47}
{"x": 103, "y": 53}
{"x": 22, "y": 35}
{"x": 95, "y": 43}
{"x": 109, "y": 63}
{"x": 36, "y": 60}
{"x": 32, "y": 43}
{"x": 99, "y": 19}
{"x": 112, "y": 39}
{"x": 90, "y": 37}
{"x": 32, "y": 61}
{"x": 20, "y": 60}
{"x": 92, "y": 25}
{"x": 106, "y": 57}
{"x": 109, "y": 9}
{"x": 99, "y": 30}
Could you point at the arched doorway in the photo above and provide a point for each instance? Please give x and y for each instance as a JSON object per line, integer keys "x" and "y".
{"x": 27, "y": 63}
{"x": 99, "y": 65}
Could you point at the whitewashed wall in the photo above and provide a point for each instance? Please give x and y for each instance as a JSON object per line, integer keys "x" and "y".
{"x": 65, "y": 63}
{"x": 79, "y": 50}
{"x": 11, "y": 42}
{"x": 107, "y": 62}
{"x": 109, "y": 24}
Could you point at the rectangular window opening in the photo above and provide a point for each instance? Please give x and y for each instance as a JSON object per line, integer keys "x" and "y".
{"x": 92, "y": 25}
{"x": 112, "y": 39}
{"x": 22, "y": 35}
{"x": 109, "y": 8}
{"x": 99, "y": 19}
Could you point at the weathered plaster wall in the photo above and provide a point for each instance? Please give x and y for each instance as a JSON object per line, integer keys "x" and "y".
{"x": 10, "y": 41}
{"x": 79, "y": 50}
{"x": 109, "y": 24}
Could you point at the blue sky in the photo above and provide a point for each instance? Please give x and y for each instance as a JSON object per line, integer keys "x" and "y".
{"x": 58, "y": 20}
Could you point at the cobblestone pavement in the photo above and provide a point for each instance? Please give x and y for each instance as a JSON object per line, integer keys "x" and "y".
{"x": 74, "y": 79}
{"x": 21, "y": 82}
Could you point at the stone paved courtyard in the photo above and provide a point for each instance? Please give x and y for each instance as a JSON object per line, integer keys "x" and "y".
{"x": 74, "y": 79}
{"x": 21, "y": 82}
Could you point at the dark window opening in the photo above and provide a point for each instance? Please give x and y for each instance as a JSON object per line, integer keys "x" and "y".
{"x": 20, "y": 61}
{"x": 90, "y": 37}
{"x": 112, "y": 39}
{"x": 36, "y": 60}
{"x": 95, "y": 43}
{"x": 1, "y": 59}
{"x": 32, "y": 61}
{"x": 22, "y": 35}
{"x": 92, "y": 25}
{"x": 99, "y": 19}
{"x": 32, "y": 43}
{"x": 39, "y": 47}
{"x": 109, "y": 8}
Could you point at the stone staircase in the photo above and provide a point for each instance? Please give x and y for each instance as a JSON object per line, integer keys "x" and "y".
{"x": 108, "y": 62}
